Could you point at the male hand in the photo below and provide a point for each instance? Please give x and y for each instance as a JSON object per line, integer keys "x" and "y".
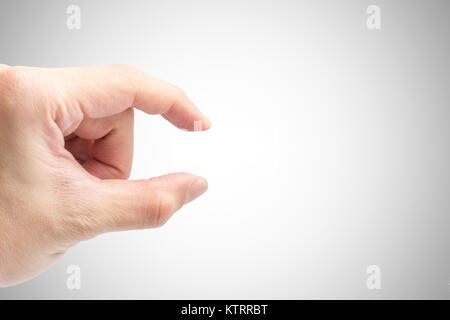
{"x": 66, "y": 144}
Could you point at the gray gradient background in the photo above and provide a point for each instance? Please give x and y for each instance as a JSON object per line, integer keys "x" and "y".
{"x": 329, "y": 149}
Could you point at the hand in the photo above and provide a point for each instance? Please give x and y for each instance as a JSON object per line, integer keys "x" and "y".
{"x": 66, "y": 144}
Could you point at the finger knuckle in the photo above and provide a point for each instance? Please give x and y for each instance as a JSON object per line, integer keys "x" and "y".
{"x": 158, "y": 211}
{"x": 179, "y": 93}
{"x": 14, "y": 82}
{"x": 127, "y": 68}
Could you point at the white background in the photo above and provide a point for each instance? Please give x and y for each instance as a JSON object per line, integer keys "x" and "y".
{"x": 328, "y": 150}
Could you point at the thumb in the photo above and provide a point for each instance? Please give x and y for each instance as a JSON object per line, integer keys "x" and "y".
{"x": 119, "y": 205}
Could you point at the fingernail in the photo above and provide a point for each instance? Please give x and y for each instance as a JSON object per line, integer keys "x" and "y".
{"x": 196, "y": 189}
{"x": 202, "y": 125}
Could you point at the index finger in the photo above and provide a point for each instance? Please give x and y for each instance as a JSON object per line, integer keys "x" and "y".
{"x": 102, "y": 91}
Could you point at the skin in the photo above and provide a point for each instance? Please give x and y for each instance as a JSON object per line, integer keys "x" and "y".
{"x": 66, "y": 146}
